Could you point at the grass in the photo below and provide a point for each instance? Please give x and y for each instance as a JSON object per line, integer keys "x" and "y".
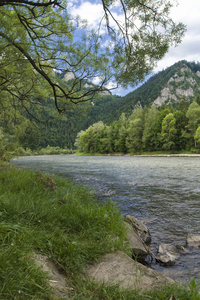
{"x": 54, "y": 217}
{"x": 15, "y": 150}
{"x": 93, "y": 290}
{"x": 61, "y": 220}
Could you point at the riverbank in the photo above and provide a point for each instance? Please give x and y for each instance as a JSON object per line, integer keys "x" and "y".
{"x": 158, "y": 154}
{"x": 54, "y": 219}
{"x": 7, "y": 155}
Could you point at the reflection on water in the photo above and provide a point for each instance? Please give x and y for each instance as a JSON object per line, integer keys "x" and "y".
{"x": 161, "y": 190}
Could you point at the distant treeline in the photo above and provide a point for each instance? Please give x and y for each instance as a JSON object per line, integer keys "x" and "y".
{"x": 146, "y": 129}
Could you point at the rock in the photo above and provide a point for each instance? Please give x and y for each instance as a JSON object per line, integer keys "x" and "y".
{"x": 183, "y": 249}
{"x": 56, "y": 280}
{"x": 119, "y": 268}
{"x": 139, "y": 249}
{"x": 167, "y": 254}
{"x": 193, "y": 240}
{"x": 140, "y": 228}
{"x": 68, "y": 76}
{"x": 147, "y": 221}
{"x": 173, "y": 273}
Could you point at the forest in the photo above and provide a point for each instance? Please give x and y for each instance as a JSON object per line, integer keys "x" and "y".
{"x": 54, "y": 69}
{"x": 146, "y": 130}
{"x": 109, "y": 123}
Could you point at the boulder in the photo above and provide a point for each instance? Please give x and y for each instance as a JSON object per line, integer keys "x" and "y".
{"x": 140, "y": 228}
{"x": 58, "y": 282}
{"x": 167, "y": 254}
{"x": 193, "y": 240}
{"x": 139, "y": 249}
{"x": 119, "y": 268}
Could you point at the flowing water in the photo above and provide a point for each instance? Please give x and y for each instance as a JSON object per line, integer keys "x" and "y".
{"x": 164, "y": 192}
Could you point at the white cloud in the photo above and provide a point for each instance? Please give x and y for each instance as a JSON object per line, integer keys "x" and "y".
{"x": 91, "y": 12}
{"x": 96, "y": 80}
{"x": 187, "y": 12}
{"x": 111, "y": 85}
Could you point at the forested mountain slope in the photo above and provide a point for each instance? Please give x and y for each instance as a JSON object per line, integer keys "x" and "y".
{"x": 166, "y": 87}
{"x": 163, "y": 114}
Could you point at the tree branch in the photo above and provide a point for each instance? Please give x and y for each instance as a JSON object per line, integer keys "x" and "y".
{"x": 31, "y": 3}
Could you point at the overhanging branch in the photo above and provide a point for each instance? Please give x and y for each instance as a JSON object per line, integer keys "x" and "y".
{"x": 31, "y": 3}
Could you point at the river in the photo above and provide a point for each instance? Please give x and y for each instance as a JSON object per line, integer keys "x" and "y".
{"x": 164, "y": 192}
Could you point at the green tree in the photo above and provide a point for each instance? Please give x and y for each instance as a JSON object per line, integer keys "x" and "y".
{"x": 121, "y": 142}
{"x": 158, "y": 127}
{"x": 198, "y": 99}
{"x": 134, "y": 135}
{"x": 29, "y": 137}
{"x": 79, "y": 142}
{"x": 41, "y": 42}
{"x": 135, "y": 129}
{"x": 168, "y": 132}
{"x": 183, "y": 104}
{"x": 193, "y": 115}
{"x": 149, "y": 135}
{"x": 181, "y": 123}
{"x": 104, "y": 145}
{"x": 197, "y": 135}
{"x": 98, "y": 133}
{"x": 89, "y": 141}
{"x": 114, "y": 136}
{"x": 1, "y": 143}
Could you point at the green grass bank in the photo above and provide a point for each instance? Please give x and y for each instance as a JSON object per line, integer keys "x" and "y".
{"x": 61, "y": 220}
{"x": 7, "y": 153}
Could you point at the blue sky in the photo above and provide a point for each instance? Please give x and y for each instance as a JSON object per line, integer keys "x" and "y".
{"x": 187, "y": 12}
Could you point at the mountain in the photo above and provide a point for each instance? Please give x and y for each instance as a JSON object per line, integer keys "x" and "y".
{"x": 182, "y": 80}
{"x": 166, "y": 87}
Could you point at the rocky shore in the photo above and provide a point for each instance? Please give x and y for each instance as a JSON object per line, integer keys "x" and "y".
{"x": 133, "y": 272}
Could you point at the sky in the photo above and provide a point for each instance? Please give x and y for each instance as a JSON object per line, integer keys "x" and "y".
{"x": 187, "y": 12}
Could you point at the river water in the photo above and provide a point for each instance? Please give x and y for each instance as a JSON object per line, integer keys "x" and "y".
{"x": 164, "y": 192}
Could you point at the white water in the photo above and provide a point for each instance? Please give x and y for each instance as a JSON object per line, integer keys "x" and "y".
{"x": 164, "y": 191}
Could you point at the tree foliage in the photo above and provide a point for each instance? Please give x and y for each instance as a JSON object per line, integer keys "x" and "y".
{"x": 29, "y": 136}
{"x": 149, "y": 133}
{"x": 145, "y": 129}
{"x": 168, "y": 132}
{"x": 197, "y": 135}
{"x": 41, "y": 39}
